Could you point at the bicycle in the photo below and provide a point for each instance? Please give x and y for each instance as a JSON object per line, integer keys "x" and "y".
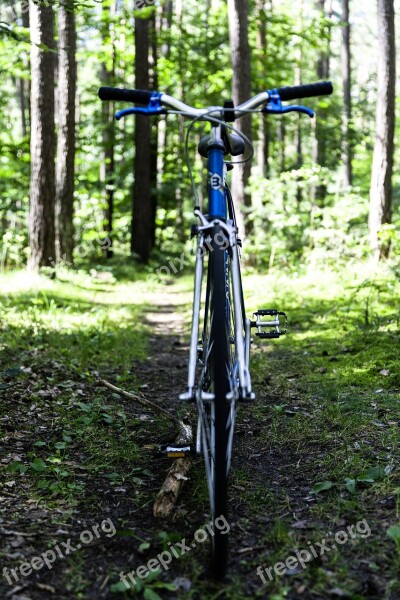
{"x": 219, "y": 359}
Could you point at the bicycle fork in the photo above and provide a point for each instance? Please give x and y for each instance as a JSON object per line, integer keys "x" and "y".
{"x": 242, "y": 342}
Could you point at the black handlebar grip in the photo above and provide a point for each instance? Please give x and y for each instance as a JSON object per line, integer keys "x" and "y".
{"x": 322, "y": 88}
{"x": 119, "y": 94}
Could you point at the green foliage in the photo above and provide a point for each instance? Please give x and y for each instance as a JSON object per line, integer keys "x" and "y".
{"x": 193, "y": 63}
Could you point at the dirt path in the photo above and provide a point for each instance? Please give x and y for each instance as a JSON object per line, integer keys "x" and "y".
{"x": 271, "y": 509}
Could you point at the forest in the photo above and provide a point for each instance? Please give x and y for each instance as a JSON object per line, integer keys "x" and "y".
{"x": 96, "y": 292}
{"x": 311, "y": 189}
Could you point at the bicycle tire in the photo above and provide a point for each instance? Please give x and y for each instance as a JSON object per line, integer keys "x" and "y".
{"x": 220, "y": 384}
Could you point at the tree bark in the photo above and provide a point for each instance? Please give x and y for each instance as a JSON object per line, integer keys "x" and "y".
{"x": 42, "y": 189}
{"x": 241, "y": 91}
{"x": 141, "y": 209}
{"x": 380, "y": 210}
{"x": 66, "y": 132}
{"x": 346, "y": 78}
{"x": 107, "y": 166}
{"x": 26, "y": 84}
{"x": 153, "y": 79}
{"x": 263, "y": 123}
{"x": 318, "y": 192}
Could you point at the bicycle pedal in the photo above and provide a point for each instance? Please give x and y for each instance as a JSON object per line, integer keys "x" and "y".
{"x": 270, "y": 334}
{"x": 275, "y": 324}
{"x": 176, "y": 450}
{"x": 267, "y": 311}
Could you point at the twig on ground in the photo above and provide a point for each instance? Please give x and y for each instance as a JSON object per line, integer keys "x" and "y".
{"x": 142, "y": 401}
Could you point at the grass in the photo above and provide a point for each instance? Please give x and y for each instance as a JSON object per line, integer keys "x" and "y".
{"x": 317, "y": 452}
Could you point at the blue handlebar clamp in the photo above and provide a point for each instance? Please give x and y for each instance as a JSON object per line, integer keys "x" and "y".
{"x": 153, "y": 108}
{"x": 275, "y": 106}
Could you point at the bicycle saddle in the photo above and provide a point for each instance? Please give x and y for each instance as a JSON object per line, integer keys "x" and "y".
{"x": 234, "y": 145}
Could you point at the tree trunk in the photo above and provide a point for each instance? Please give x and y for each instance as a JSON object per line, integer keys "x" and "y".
{"x": 380, "y": 210}
{"x": 297, "y": 81}
{"x": 241, "y": 91}
{"x": 141, "y": 205}
{"x": 42, "y": 189}
{"x": 263, "y": 124}
{"x": 66, "y": 132}
{"x": 346, "y": 78}
{"x": 107, "y": 165}
{"x": 154, "y": 132}
{"x": 318, "y": 192}
{"x": 26, "y": 84}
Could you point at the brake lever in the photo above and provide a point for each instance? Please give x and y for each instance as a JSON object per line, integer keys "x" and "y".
{"x": 153, "y": 108}
{"x": 275, "y": 106}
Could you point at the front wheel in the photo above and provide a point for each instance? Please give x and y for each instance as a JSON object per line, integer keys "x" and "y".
{"x": 218, "y": 380}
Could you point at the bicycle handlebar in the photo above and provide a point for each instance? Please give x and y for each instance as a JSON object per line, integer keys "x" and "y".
{"x": 322, "y": 88}
{"x": 123, "y": 95}
{"x": 154, "y": 99}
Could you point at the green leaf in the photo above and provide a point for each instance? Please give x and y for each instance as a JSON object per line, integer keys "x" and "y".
{"x": 43, "y": 484}
{"x": 38, "y": 465}
{"x": 376, "y": 473}
{"x": 321, "y": 487}
{"x": 165, "y": 586}
{"x": 13, "y": 372}
{"x": 60, "y": 445}
{"x": 144, "y": 546}
{"x": 394, "y": 533}
{"x": 350, "y": 485}
{"x": 17, "y": 467}
{"x": 150, "y": 594}
{"x": 153, "y": 575}
{"x": 39, "y": 444}
{"x": 119, "y": 587}
{"x": 373, "y": 474}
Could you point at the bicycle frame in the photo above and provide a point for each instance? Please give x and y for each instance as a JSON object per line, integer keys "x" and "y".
{"x": 218, "y": 213}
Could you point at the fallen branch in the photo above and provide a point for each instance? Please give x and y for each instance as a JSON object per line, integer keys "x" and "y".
{"x": 142, "y": 401}
{"x": 168, "y": 495}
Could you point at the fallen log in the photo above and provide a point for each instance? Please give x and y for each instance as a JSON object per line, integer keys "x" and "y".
{"x": 177, "y": 474}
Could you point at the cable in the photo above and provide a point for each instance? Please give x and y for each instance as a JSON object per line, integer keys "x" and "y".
{"x": 218, "y": 122}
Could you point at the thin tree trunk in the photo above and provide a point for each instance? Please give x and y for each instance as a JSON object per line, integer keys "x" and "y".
{"x": 154, "y": 133}
{"x": 318, "y": 192}
{"x": 66, "y": 132}
{"x": 107, "y": 166}
{"x": 42, "y": 189}
{"x": 20, "y": 83}
{"x": 263, "y": 124}
{"x": 346, "y": 78}
{"x": 241, "y": 91}
{"x": 25, "y": 58}
{"x": 141, "y": 211}
{"x": 297, "y": 81}
{"x": 380, "y": 210}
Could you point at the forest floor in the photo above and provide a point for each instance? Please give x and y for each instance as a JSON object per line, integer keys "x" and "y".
{"x": 315, "y": 461}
